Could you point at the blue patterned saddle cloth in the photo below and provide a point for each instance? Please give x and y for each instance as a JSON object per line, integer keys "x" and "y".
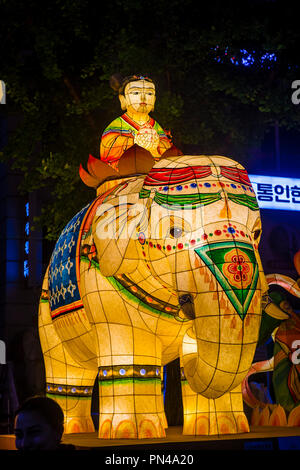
{"x": 64, "y": 295}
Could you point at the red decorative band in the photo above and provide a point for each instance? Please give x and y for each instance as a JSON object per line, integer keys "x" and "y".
{"x": 66, "y": 309}
{"x": 176, "y": 175}
{"x": 235, "y": 174}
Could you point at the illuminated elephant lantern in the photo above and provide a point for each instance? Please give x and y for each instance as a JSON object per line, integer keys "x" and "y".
{"x": 158, "y": 266}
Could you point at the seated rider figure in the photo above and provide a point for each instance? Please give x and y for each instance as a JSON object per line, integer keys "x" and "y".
{"x": 135, "y": 126}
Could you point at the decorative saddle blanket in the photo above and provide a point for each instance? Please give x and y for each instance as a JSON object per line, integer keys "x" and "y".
{"x": 64, "y": 272}
{"x": 64, "y": 295}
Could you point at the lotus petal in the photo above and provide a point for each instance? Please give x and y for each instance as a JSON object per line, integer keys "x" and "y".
{"x": 278, "y": 417}
{"x": 136, "y": 160}
{"x": 100, "y": 169}
{"x": 294, "y": 417}
{"x": 264, "y": 417}
{"x": 88, "y": 180}
{"x": 172, "y": 152}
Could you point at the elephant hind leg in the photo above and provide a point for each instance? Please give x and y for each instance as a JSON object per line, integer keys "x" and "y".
{"x": 67, "y": 382}
{"x": 71, "y": 387}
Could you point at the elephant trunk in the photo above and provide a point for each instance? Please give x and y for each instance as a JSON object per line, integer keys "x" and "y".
{"x": 218, "y": 349}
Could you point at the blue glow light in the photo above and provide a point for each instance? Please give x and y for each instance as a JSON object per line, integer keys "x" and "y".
{"x": 269, "y": 56}
{"x": 27, "y": 228}
{"x": 26, "y": 268}
{"x": 276, "y": 192}
{"x": 245, "y": 58}
{"x": 165, "y": 382}
{"x": 26, "y": 271}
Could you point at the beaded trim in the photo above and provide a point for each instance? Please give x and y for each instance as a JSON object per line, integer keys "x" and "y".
{"x": 129, "y": 372}
{"x": 70, "y": 390}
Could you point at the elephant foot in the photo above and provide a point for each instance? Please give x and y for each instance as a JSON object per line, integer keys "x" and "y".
{"x": 208, "y": 424}
{"x": 77, "y": 425}
{"x": 131, "y": 426}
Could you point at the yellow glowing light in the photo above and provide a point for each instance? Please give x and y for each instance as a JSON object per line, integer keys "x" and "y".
{"x": 135, "y": 126}
{"x": 152, "y": 291}
{"x": 162, "y": 264}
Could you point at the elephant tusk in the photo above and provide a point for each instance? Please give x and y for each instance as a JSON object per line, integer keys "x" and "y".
{"x": 286, "y": 282}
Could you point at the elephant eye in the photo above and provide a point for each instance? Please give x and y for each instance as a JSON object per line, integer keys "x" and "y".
{"x": 175, "y": 232}
{"x": 256, "y": 234}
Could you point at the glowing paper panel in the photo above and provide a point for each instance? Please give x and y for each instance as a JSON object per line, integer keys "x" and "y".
{"x": 135, "y": 126}
{"x": 160, "y": 265}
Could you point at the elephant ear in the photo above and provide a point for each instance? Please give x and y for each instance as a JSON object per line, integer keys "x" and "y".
{"x": 114, "y": 233}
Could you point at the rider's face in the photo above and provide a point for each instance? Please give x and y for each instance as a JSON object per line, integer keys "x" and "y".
{"x": 140, "y": 96}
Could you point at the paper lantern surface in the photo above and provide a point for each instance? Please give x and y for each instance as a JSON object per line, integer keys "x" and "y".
{"x": 157, "y": 267}
{"x": 135, "y": 126}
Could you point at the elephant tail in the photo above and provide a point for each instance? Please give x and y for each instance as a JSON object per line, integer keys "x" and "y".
{"x": 286, "y": 282}
{"x": 249, "y": 398}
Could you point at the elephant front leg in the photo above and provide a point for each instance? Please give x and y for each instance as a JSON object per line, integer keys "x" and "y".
{"x": 130, "y": 403}
{"x": 207, "y": 416}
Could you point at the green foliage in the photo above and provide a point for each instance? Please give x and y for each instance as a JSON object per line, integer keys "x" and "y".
{"x": 57, "y": 58}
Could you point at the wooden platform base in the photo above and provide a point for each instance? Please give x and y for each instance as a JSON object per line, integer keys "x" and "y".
{"x": 259, "y": 438}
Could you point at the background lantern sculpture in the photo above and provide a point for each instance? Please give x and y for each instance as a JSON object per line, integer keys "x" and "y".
{"x": 284, "y": 363}
{"x": 162, "y": 264}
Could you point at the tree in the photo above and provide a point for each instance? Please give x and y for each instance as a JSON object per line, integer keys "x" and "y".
{"x": 58, "y": 56}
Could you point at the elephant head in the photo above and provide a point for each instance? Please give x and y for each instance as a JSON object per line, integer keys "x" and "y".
{"x": 193, "y": 226}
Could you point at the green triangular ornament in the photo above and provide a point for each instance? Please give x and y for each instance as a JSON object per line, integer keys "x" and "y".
{"x": 235, "y": 267}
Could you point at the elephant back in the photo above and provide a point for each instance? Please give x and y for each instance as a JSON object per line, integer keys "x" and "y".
{"x": 190, "y": 181}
